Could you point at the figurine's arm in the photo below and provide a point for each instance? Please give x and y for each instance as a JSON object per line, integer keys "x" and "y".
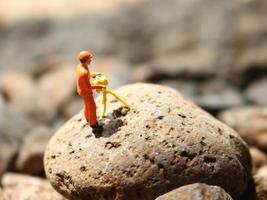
{"x": 94, "y": 74}
{"x": 97, "y": 87}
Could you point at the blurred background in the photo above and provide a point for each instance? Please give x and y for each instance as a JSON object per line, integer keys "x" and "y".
{"x": 212, "y": 51}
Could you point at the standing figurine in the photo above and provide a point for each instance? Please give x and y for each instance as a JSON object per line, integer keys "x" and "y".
{"x": 101, "y": 80}
{"x": 85, "y": 90}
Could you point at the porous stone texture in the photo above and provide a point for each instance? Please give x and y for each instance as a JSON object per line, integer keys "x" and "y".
{"x": 197, "y": 191}
{"x": 22, "y": 187}
{"x": 163, "y": 142}
{"x": 250, "y": 122}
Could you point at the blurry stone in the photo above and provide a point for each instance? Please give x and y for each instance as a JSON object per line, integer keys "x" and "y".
{"x": 194, "y": 37}
{"x": 58, "y": 123}
{"x": 256, "y": 92}
{"x": 259, "y": 159}
{"x": 6, "y": 153}
{"x": 212, "y": 96}
{"x": 142, "y": 73}
{"x": 30, "y": 158}
{"x": 196, "y": 191}
{"x": 3, "y": 196}
{"x": 25, "y": 187}
{"x": 13, "y": 128}
{"x": 117, "y": 70}
{"x": 203, "y": 64}
{"x": 261, "y": 183}
{"x": 250, "y": 122}
{"x": 17, "y": 87}
{"x": 188, "y": 88}
{"x": 218, "y": 95}
{"x": 72, "y": 107}
{"x": 20, "y": 92}
{"x": 163, "y": 142}
{"x": 2, "y": 103}
{"x": 58, "y": 85}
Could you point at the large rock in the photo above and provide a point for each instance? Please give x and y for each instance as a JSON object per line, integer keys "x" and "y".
{"x": 250, "y": 122}
{"x": 24, "y": 187}
{"x": 197, "y": 191}
{"x": 161, "y": 143}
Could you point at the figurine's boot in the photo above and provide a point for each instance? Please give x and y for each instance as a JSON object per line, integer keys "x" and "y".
{"x": 97, "y": 129}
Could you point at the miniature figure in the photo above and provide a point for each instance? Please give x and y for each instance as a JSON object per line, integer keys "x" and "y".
{"x": 102, "y": 81}
{"x": 85, "y": 90}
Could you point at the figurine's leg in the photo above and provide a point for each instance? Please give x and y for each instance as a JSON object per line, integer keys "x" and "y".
{"x": 104, "y": 102}
{"x": 90, "y": 109}
{"x": 117, "y": 97}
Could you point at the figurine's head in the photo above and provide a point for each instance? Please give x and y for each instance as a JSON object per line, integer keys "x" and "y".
{"x": 85, "y": 57}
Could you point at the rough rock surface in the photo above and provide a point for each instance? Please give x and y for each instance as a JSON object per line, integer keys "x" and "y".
{"x": 164, "y": 141}
{"x": 250, "y": 122}
{"x": 197, "y": 191}
{"x": 22, "y": 187}
{"x": 30, "y": 158}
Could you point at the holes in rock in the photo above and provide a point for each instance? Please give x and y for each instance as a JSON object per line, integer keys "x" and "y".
{"x": 181, "y": 115}
{"x": 82, "y": 168}
{"x": 160, "y": 166}
{"x": 110, "y": 145}
{"x": 209, "y": 159}
{"x": 148, "y": 126}
{"x": 122, "y": 111}
{"x": 148, "y": 158}
{"x": 160, "y": 117}
{"x": 72, "y": 152}
{"x": 188, "y": 155}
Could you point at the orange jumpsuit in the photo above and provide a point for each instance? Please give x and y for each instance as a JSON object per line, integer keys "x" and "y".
{"x": 84, "y": 89}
